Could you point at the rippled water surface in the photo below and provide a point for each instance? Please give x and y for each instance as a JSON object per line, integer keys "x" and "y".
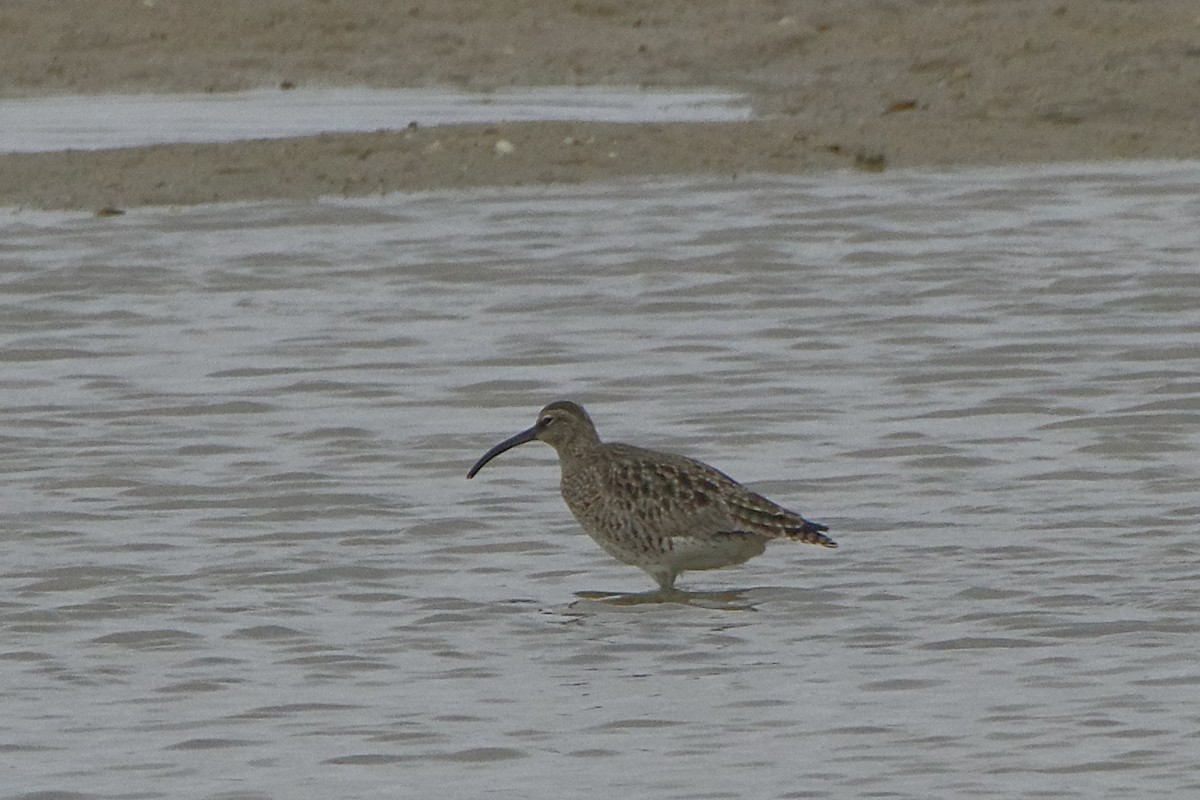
{"x": 241, "y": 559}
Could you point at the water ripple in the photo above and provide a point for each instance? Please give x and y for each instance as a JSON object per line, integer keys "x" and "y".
{"x": 236, "y": 520}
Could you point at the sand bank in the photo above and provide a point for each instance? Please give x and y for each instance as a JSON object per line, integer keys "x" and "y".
{"x": 865, "y": 84}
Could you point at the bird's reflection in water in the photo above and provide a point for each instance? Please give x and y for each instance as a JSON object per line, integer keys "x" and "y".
{"x": 727, "y": 600}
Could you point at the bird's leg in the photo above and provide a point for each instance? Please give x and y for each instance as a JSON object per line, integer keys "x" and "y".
{"x": 665, "y": 578}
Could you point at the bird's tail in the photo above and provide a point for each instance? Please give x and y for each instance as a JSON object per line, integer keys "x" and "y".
{"x": 810, "y": 533}
{"x": 775, "y": 522}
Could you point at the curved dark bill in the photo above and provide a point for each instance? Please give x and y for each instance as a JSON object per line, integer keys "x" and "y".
{"x": 507, "y": 444}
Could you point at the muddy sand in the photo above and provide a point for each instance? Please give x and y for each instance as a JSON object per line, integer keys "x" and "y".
{"x": 861, "y": 84}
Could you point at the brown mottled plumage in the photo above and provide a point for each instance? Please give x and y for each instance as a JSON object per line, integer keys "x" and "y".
{"x": 663, "y": 513}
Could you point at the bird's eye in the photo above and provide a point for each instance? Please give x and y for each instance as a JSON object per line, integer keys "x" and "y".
{"x": 544, "y": 422}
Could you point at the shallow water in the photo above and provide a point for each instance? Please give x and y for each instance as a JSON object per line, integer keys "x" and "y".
{"x": 242, "y": 560}
{"x": 91, "y": 122}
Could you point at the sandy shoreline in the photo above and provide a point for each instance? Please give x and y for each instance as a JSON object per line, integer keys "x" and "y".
{"x": 858, "y": 84}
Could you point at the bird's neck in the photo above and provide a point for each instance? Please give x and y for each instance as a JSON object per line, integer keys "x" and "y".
{"x": 578, "y": 451}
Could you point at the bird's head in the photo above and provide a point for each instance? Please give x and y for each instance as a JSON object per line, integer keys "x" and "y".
{"x": 563, "y": 425}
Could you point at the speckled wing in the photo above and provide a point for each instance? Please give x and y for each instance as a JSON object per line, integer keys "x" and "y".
{"x": 759, "y": 515}
{"x": 662, "y": 492}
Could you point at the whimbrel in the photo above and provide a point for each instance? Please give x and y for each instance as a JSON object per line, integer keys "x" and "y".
{"x": 660, "y": 512}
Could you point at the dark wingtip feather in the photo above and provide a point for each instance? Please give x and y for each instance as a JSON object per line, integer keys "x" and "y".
{"x": 812, "y": 533}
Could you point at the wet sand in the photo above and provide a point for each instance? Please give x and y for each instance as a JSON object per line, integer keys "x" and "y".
{"x": 863, "y": 84}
